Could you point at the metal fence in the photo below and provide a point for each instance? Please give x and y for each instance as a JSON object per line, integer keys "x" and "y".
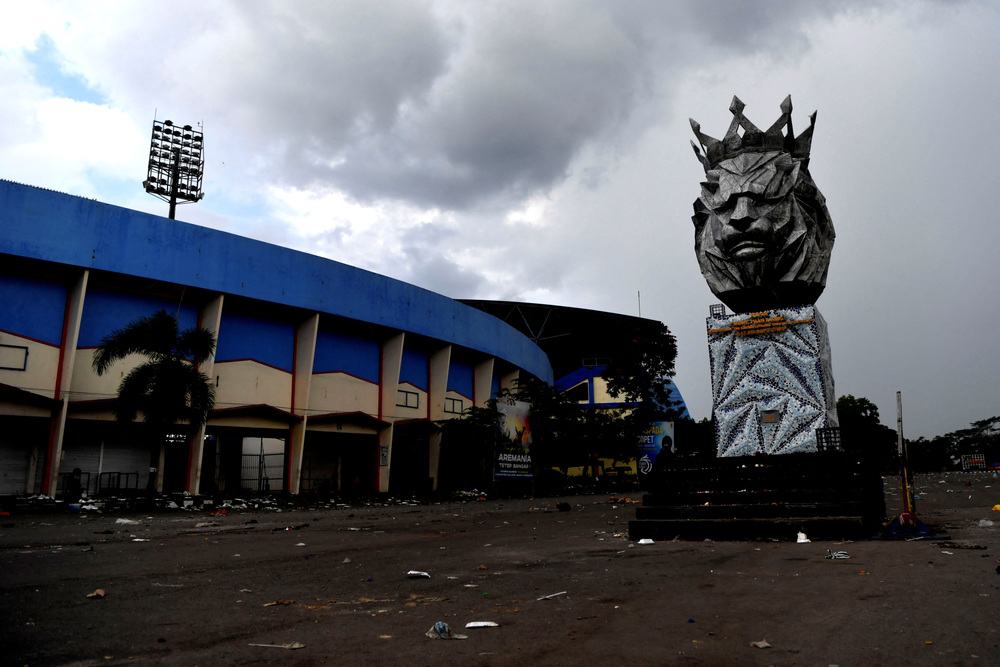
{"x": 263, "y": 473}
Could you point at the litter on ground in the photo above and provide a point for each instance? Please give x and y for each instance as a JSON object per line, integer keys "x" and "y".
{"x": 289, "y": 645}
{"x": 554, "y": 595}
{"x": 442, "y": 630}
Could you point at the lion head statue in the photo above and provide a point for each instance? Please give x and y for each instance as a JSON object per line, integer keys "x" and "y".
{"x": 763, "y": 234}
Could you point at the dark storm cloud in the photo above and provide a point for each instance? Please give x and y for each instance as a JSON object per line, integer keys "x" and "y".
{"x": 395, "y": 101}
{"x": 437, "y": 104}
{"x": 526, "y": 87}
{"x": 315, "y": 79}
{"x": 426, "y": 248}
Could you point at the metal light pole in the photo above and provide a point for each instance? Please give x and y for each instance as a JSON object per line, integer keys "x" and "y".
{"x": 906, "y": 524}
{"x": 176, "y": 164}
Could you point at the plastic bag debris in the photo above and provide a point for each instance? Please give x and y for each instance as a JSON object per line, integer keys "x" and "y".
{"x": 554, "y": 595}
{"x": 139, "y": 539}
{"x": 416, "y": 574}
{"x": 645, "y": 540}
{"x": 279, "y": 602}
{"x": 761, "y": 644}
{"x": 836, "y": 555}
{"x": 995, "y": 508}
{"x": 127, "y": 522}
{"x": 802, "y": 539}
{"x": 97, "y": 595}
{"x": 482, "y": 624}
{"x": 986, "y": 523}
{"x": 290, "y": 645}
{"x": 441, "y": 630}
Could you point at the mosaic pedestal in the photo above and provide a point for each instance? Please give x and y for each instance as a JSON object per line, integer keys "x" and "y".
{"x": 772, "y": 383}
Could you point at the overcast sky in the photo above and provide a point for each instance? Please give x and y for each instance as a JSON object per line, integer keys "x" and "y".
{"x": 539, "y": 151}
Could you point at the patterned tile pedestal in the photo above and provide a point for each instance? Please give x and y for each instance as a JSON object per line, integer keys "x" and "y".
{"x": 772, "y": 383}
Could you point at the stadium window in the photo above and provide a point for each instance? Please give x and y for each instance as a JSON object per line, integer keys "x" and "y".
{"x": 454, "y": 406}
{"x": 407, "y": 399}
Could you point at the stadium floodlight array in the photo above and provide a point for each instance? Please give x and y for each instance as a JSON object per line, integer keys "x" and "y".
{"x": 176, "y": 164}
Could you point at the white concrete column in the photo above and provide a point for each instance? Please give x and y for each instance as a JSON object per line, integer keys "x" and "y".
{"x": 64, "y": 377}
{"x": 209, "y": 317}
{"x": 391, "y": 362}
{"x": 440, "y": 362}
{"x": 482, "y": 383}
{"x": 305, "y": 352}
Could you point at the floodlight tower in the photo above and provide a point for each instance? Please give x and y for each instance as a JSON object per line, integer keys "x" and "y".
{"x": 176, "y": 164}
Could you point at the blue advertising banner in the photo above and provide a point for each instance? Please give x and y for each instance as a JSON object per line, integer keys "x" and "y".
{"x": 658, "y": 437}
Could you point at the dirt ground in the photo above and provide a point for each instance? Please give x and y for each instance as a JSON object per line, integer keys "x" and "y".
{"x": 565, "y": 588}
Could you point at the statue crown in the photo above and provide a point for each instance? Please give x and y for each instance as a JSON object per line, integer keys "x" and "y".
{"x": 752, "y": 139}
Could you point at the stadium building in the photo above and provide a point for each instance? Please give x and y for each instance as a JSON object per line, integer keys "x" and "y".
{"x": 328, "y": 378}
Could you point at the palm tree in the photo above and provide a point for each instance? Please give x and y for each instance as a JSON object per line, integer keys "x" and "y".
{"x": 167, "y": 388}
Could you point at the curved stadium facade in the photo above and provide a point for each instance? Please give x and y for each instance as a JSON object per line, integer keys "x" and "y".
{"x": 327, "y": 377}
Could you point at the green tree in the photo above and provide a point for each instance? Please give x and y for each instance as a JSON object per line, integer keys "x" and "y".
{"x": 857, "y": 412}
{"x": 557, "y": 423}
{"x": 945, "y": 452}
{"x": 558, "y": 431}
{"x": 564, "y": 432}
{"x": 167, "y": 388}
{"x": 467, "y": 448}
{"x": 639, "y": 375}
{"x": 641, "y": 367}
{"x": 862, "y": 432}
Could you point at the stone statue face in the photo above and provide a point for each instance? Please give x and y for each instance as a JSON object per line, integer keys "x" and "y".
{"x": 749, "y": 203}
{"x": 762, "y": 232}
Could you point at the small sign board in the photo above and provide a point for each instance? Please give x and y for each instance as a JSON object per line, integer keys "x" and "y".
{"x": 513, "y": 451}
{"x": 657, "y": 438}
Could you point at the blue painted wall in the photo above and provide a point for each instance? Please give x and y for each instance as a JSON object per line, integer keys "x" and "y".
{"x": 414, "y": 369}
{"x": 461, "y": 378}
{"x": 104, "y": 311}
{"x": 47, "y": 225}
{"x": 242, "y": 336}
{"x": 347, "y": 354}
{"x": 32, "y": 308}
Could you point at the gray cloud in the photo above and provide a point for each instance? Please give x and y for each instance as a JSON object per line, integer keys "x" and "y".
{"x": 522, "y": 88}
{"x": 435, "y": 104}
